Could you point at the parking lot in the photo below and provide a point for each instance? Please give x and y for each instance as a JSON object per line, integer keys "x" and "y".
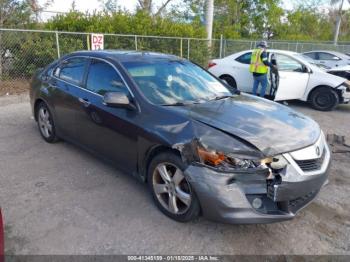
{"x": 58, "y": 199}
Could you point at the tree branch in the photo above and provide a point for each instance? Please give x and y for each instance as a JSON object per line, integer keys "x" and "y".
{"x": 162, "y": 7}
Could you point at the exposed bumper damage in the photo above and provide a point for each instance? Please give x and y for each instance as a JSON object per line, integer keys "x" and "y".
{"x": 229, "y": 197}
{"x": 344, "y": 92}
{"x": 260, "y": 195}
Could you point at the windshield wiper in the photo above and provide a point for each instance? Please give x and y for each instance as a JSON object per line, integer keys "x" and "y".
{"x": 221, "y": 97}
{"x": 175, "y": 104}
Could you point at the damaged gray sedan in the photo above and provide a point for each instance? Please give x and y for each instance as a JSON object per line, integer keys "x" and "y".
{"x": 203, "y": 148}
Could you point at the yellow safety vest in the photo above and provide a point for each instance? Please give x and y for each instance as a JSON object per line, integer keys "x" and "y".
{"x": 256, "y": 64}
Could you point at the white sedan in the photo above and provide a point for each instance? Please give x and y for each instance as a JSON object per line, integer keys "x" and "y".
{"x": 298, "y": 79}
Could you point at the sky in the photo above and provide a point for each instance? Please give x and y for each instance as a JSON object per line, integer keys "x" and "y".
{"x": 90, "y": 5}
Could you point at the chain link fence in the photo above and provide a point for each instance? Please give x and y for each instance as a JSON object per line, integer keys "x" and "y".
{"x": 22, "y": 52}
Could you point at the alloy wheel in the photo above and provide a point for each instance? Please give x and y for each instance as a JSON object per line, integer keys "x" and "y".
{"x": 45, "y": 123}
{"x": 171, "y": 188}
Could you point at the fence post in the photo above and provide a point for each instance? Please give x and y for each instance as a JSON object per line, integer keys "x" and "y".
{"x": 296, "y": 47}
{"x": 1, "y": 32}
{"x": 136, "y": 42}
{"x": 188, "y": 49}
{"x": 181, "y": 48}
{"x": 58, "y": 46}
{"x": 224, "y": 48}
{"x": 221, "y": 39}
{"x": 88, "y": 41}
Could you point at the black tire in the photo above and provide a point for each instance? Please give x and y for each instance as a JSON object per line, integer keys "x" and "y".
{"x": 49, "y": 136}
{"x": 324, "y": 99}
{"x": 230, "y": 80}
{"x": 191, "y": 211}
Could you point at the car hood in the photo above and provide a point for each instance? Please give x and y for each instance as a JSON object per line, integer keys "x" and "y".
{"x": 269, "y": 126}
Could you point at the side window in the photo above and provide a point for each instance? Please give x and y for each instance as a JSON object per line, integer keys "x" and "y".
{"x": 286, "y": 63}
{"x": 328, "y": 56}
{"x": 71, "y": 70}
{"x": 311, "y": 55}
{"x": 245, "y": 58}
{"x": 103, "y": 78}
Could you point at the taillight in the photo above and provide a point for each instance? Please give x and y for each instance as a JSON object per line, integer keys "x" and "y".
{"x": 211, "y": 64}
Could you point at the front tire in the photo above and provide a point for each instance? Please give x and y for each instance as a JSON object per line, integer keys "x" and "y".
{"x": 324, "y": 99}
{"x": 171, "y": 191}
{"x": 45, "y": 123}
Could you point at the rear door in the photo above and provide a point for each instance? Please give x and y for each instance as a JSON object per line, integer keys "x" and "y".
{"x": 109, "y": 131}
{"x": 66, "y": 82}
{"x": 293, "y": 78}
{"x": 243, "y": 77}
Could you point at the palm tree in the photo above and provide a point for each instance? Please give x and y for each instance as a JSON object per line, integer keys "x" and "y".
{"x": 209, "y": 15}
{"x": 338, "y": 22}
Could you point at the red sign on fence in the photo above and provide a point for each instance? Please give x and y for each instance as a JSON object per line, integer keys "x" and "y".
{"x": 97, "y": 41}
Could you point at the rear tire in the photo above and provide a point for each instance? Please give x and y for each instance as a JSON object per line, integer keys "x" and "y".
{"x": 46, "y": 124}
{"x": 230, "y": 80}
{"x": 324, "y": 99}
{"x": 172, "y": 193}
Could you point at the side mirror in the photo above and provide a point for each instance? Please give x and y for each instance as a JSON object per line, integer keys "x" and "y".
{"x": 306, "y": 69}
{"x": 117, "y": 99}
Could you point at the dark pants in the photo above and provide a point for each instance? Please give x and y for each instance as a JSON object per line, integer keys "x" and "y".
{"x": 262, "y": 79}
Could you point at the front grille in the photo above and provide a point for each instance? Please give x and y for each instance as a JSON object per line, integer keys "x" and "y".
{"x": 311, "y": 164}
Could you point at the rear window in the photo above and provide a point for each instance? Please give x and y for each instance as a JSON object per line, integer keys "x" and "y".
{"x": 245, "y": 58}
{"x": 72, "y": 70}
{"x": 311, "y": 55}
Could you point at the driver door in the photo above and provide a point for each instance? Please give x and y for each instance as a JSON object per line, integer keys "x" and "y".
{"x": 109, "y": 131}
{"x": 293, "y": 78}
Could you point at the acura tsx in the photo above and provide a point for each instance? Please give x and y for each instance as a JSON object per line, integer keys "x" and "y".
{"x": 202, "y": 147}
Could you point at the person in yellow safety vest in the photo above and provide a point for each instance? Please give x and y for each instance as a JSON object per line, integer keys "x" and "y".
{"x": 259, "y": 65}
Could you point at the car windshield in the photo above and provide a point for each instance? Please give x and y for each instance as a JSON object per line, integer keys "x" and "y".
{"x": 175, "y": 82}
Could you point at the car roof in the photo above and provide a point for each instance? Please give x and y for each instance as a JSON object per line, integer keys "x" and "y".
{"x": 127, "y": 55}
{"x": 268, "y": 50}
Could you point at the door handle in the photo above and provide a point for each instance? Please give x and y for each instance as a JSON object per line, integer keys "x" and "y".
{"x": 84, "y": 101}
{"x": 52, "y": 86}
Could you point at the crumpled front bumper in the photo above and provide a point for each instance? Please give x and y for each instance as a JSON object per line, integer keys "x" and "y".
{"x": 345, "y": 95}
{"x": 228, "y": 197}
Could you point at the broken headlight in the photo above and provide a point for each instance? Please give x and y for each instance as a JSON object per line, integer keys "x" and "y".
{"x": 347, "y": 85}
{"x": 219, "y": 159}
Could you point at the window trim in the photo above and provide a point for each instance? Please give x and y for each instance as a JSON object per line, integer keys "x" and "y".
{"x": 83, "y": 84}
